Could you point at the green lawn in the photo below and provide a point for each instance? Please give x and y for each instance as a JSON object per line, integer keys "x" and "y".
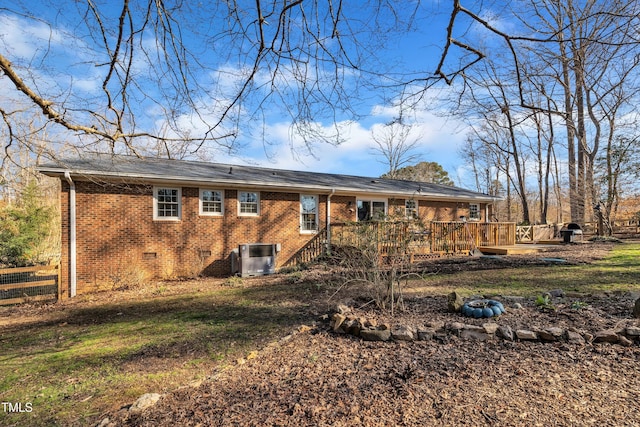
{"x": 619, "y": 272}
{"x": 83, "y": 358}
{"x": 75, "y": 361}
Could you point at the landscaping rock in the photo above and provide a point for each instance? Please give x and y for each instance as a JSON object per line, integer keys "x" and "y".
{"x": 337, "y": 320}
{"x": 145, "y": 401}
{"x": 352, "y": 327}
{"x": 574, "y": 338}
{"x": 556, "y": 293}
{"x": 636, "y": 309}
{"x": 556, "y": 332}
{"x": 633, "y": 331}
{"x": 404, "y": 333}
{"x": 474, "y": 332}
{"x": 343, "y": 309}
{"x": 517, "y": 306}
{"x": 436, "y": 325}
{"x": 375, "y": 334}
{"x": 609, "y": 336}
{"x": 545, "y": 335}
{"x": 625, "y": 341}
{"x": 370, "y": 323}
{"x": 506, "y": 332}
{"x": 454, "y": 327}
{"x": 426, "y": 334}
{"x": 490, "y": 328}
{"x": 526, "y": 335}
{"x": 454, "y": 302}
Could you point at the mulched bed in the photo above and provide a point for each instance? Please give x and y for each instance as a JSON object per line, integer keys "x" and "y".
{"x": 323, "y": 380}
{"x": 315, "y": 377}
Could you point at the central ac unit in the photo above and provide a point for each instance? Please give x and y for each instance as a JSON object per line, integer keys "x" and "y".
{"x": 257, "y": 259}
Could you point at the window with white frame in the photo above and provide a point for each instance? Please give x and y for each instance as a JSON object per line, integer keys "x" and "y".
{"x": 211, "y": 202}
{"x": 369, "y": 210}
{"x": 308, "y": 213}
{"x": 248, "y": 203}
{"x": 167, "y": 203}
{"x": 411, "y": 208}
{"x": 474, "y": 211}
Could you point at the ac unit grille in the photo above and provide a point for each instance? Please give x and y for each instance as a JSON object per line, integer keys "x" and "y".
{"x": 261, "y": 250}
{"x": 257, "y": 259}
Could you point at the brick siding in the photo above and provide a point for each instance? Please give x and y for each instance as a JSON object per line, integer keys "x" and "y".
{"x": 119, "y": 242}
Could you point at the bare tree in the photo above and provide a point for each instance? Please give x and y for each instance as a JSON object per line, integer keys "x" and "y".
{"x": 396, "y": 144}
{"x": 496, "y": 122}
{"x": 176, "y": 78}
{"x": 589, "y": 51}
{"x": 619, "y": 171}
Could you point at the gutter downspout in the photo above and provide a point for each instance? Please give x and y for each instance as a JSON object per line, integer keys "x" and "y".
{"x": 72, "y": 235}
{"x": 333, "y": 190}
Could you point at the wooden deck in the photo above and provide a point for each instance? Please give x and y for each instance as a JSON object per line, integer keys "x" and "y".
{"x": 412, "y": 239}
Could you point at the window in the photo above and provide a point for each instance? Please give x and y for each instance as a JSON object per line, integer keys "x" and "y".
{"x": 167, "y": 203}
{"x": 410, "y": 208}
{"x": 371, "y": 210}
{"x": 474, "y": 211}
{"x": 248, "y": 203}
{"x": 308, "y": 213}
{"x": 211, "y": 202}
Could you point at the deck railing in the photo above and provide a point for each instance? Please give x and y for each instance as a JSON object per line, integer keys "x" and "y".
{"x": 315, "y": 248}
{"x": 408, "y": 237}
{"x": 433, "y": 237}
{"x": 459, "y": 236}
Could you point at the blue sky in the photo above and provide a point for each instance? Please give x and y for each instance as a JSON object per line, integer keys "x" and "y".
{"x": 50, "y": 41}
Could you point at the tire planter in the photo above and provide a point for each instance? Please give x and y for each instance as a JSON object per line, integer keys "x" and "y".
{"x": 482, "y": 308}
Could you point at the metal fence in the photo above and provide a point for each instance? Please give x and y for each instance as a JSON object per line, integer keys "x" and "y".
{"x": 26, "y": 284}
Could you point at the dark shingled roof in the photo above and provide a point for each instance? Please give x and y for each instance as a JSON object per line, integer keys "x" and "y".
{"x": 181, "y": 172}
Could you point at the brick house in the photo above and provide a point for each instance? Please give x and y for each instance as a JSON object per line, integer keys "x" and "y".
{"x": 124, "y": 217}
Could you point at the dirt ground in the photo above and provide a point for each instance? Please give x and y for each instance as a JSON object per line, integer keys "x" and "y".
{"x": 315, "y": 377}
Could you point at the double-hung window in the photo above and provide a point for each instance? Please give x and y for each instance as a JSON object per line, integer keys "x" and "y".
{"x": 474, "y": 211}
{"x": 167, "y": 203}
{"x": 211, "y": 202}
{"x": 411, "y": 208}
{"x": 308, "y": 213}
{"x": 248, "y": 203}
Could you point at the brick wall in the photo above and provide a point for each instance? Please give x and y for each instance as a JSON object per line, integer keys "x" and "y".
{"x": 119, "y": 243}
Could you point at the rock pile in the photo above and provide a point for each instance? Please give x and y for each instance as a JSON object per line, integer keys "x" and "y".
{"x": 344, "y": 321}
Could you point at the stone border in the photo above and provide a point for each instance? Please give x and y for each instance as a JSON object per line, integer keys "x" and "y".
{"x": 343, "y": 322}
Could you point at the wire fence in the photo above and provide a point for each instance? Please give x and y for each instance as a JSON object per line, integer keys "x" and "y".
{"x": 27, "y": 284}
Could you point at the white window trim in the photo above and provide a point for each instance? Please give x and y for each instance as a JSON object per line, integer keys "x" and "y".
{"x": 415, "y": 209}
{"x": 200, "y": 202}
{"x": 478, "y": 210}
{"x": 317, "y": 199}
{"x": 155, "y": 204}
{"x": 257, "y": 213}
{"x": 371, "y": 199}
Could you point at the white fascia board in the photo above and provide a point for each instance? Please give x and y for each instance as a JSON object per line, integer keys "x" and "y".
{"x": 181, "y": 181}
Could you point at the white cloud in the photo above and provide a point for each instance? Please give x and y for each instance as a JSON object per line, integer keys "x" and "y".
{"x": 439, "y": 143}
{"x": 23, "y": 39}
